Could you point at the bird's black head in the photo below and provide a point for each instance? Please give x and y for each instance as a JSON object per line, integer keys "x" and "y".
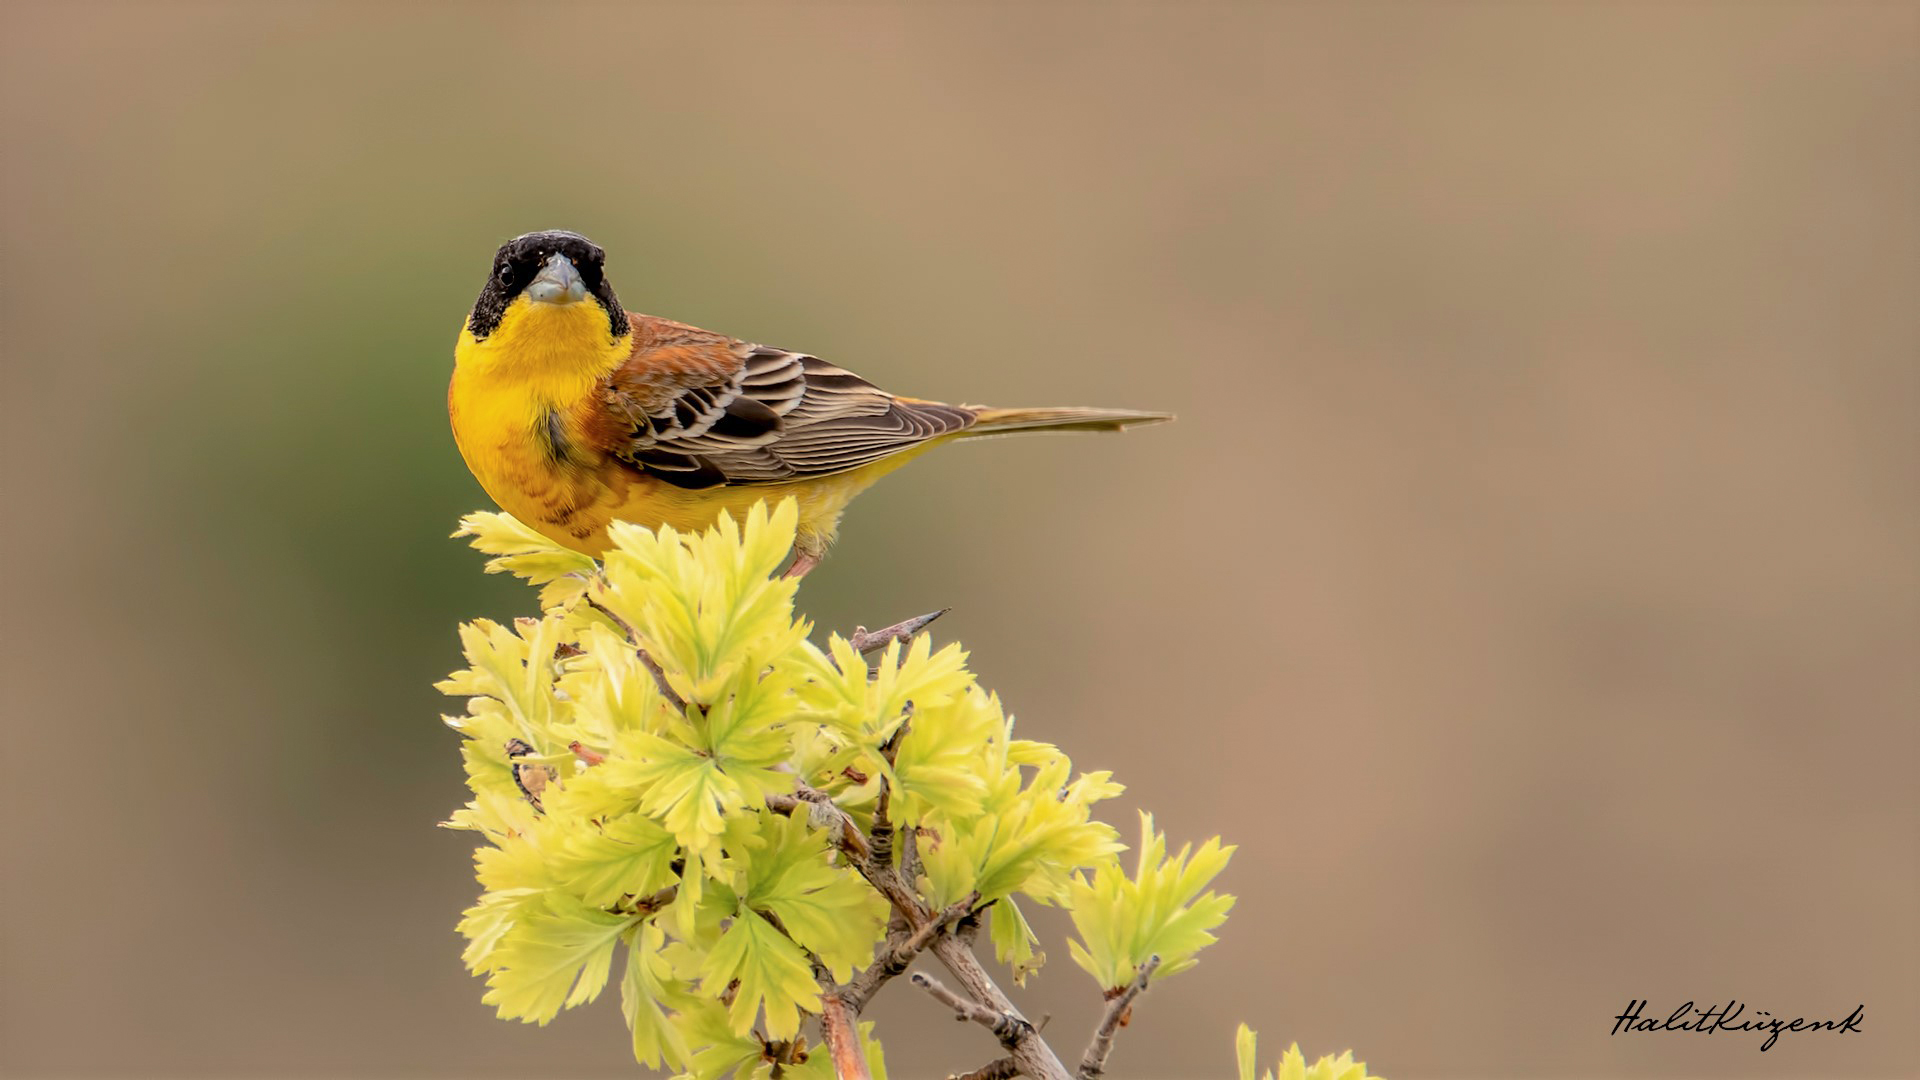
{"x": 553, "y": 267}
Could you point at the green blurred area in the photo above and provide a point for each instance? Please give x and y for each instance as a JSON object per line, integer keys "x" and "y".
{"x": 1543, "y": 495}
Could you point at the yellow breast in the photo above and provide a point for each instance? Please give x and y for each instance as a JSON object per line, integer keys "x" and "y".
{"x": 512, "y": 402}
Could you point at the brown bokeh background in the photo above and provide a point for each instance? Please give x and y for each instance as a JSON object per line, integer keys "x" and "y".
{"x": 1529, "y": 587}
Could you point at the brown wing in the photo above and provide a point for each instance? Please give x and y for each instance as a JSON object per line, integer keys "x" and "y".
{"x": 699, "y": 409}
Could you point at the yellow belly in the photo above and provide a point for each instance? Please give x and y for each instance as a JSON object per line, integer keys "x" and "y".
{"x": 820, "y": 502}
{"x": 572, "y": 502}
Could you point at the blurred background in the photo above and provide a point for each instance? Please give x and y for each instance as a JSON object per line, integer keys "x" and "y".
{"x": 1529, "y": 587}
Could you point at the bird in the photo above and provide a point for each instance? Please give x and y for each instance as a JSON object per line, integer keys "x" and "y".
{"x": 574, "y": 413}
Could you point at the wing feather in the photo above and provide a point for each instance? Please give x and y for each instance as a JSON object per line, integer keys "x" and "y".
{"x": 698, "y": 409}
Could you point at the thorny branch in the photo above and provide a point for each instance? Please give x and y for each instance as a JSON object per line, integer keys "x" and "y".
{"x": 840, "y": 1030}
{"x": 947, "y": 934}
{"x": 864, "y": 642}
{"x": 854, "y": 844}
{"x": 646, "y": 659}
{"x": 913, "y": 929}
{"x": 1011, "y": 1030}
{"x": 953, "y": 913}
{"x": 998, "y": 1069}
{"x": 1094, "y": 1061}
{"x": 902, "y": 947}
{"x": 881, "y": 855}
{"x": 822, "y": 812}
{"x": 1033, "y": 1056}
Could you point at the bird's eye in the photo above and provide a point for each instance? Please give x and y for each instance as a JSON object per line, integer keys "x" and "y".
{"x": 506, "y": 273}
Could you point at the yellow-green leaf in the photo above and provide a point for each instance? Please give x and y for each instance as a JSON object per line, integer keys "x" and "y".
{"x": 557, "y": 956}
{"x": 772, "y": 972}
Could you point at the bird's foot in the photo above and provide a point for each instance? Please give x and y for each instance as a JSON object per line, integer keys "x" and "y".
{"x": 803, "y": 561}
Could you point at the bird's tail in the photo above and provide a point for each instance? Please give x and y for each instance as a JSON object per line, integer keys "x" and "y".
{"x": 1070, "y": 418}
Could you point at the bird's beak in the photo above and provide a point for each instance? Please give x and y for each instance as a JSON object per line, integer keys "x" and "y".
{"x": 557, "y": 283}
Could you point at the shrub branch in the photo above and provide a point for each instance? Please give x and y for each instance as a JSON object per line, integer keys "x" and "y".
{"x": 640, "y": 650}
{"x": 864, "y": 642}
{"x": 840, "y": 1030}
{"x": 998, "y": 1069}
{"x": 1010, "y": 1029}
{"x": 1094, "y": 1061}
{"x": 902, "y": 948}
{"x": 1031, "y": 1053}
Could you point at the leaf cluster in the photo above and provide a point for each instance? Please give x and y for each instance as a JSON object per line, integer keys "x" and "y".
{"x": 1293, "y": 1064}
{"x": 673, "y": 782}
{"x": 646, "y": 840}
